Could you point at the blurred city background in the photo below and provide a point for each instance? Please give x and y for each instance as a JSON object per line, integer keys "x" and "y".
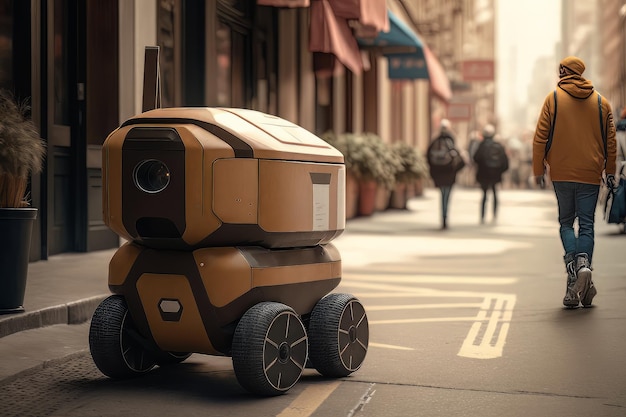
{"x": 363, "y": 74}
{"x": 469, "y": 321}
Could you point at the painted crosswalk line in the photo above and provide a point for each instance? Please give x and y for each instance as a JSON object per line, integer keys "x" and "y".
{"x": 489, "y": 326}
{"x": 487, "y": 335}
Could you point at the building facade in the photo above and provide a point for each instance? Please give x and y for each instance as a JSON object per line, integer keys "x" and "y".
{"x": 80, "y": 63}
{"x": 596, "y": 32}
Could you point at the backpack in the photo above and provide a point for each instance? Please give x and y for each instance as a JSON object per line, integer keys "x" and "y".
{"x": 495, "y": 157}
{"x": 439, "y": 153}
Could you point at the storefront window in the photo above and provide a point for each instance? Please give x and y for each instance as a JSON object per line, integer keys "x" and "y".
{"x": 235, "y": 72}
{"x": 61, "y": 99}
{"x": 224, "y": 65}
{"x": 6, "y": 44}
{"x": 167, "y": 36}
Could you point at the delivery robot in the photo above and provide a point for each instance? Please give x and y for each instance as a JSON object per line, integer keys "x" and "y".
{"x": 228, "y": 217}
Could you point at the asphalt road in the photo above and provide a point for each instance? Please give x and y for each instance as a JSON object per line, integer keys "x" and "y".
{"x": 463, "y": 322}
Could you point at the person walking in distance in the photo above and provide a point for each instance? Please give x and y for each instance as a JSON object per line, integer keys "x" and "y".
{"x": 575, "y": 144}
{"x": 444, "y": 161}
{"x": 491, "y": 162}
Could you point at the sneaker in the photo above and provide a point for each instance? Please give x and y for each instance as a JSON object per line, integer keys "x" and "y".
{"x": 571, "y": 299}
{"x": 583, "y": 283}
{"x": 587, "y": 298}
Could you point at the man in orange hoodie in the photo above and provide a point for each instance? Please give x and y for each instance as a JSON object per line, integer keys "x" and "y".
{"x": 582, "y": 148}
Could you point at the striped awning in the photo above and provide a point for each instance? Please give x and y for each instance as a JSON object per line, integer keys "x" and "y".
{"x": 409, "y": 57}
{"x": 331, "y": 34}
{"x": 284, "y": 3}
{"x": 370, "y": 14}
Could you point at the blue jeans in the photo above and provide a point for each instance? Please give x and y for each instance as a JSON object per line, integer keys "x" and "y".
{"x": 485, "y": 189}
{"x": 445, "y": 197}
{"x": 577, "y": 200}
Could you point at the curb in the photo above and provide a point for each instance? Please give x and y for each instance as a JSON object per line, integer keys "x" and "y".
{"x": 74, "y": 312}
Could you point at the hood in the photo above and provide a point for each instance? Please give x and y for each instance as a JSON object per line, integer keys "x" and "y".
{"x": 576, "y": 86}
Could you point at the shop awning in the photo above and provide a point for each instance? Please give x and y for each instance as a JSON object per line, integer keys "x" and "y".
{"x": 370, "y": 14}
{"x": 331, "y": 34}
{"x": 403, "y": 49}
{"x": 284, "y": 3}
{"x": 409, "y": 57}
{"x": 439, "y": 82}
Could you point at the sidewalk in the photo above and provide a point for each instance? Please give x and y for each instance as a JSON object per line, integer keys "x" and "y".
{"x": 65, "y": 289}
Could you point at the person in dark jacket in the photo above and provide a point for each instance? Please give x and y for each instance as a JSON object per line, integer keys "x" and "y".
{"x": 444, "y": 162}
{"x": 579, "y": 122}
{"x": 491, "y": 162}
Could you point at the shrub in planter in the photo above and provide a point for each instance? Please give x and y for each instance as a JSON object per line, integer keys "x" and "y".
{"x": 413, "y": 169}
{"x": 21, "y": 151}
{"x": 340, "y": 143}
{"x": 21, "y": 154}
{"x": 413, "y": 165}
{"x": 371, "y": 159}
{"x": 374, "y": 165}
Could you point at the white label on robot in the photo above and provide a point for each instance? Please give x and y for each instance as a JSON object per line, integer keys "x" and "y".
{"x": 321, "y": 203}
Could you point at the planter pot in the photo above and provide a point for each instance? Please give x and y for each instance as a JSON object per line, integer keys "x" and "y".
{"x": 367, "y": 197}
{"x": 419, "y": 187}
{"x": 399, "y": 196}
{"x": 352, "y": 195}
{"x": 383, "y": 194}
{"x": 16, "y": 225}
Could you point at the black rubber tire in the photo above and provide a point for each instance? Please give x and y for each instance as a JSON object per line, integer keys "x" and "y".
{"x": 114, "y": 342}
{"x": 338, "y": 335}
{"x": 269, "y": 349}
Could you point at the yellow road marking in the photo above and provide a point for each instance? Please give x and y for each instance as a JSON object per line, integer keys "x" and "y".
{"x": 384, "y": 346}
{"x": 428, "y": 320}
{"x": 487, "y": 335}
{"x": 488, "y": 332}
{"x": 309, "y": 400}
{"x": 387, "y": 290}
{"x": 423, "y": 306}
{"x": 430, "y": 279}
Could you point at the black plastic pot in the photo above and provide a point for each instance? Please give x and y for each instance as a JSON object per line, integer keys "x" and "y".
{"x": 16, "y": 226}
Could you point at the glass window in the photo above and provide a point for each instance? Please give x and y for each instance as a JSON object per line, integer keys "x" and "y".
{"x": 166, "y": 39}
{"x": 224, "y": 65}
{"x": 6, "y": 44}
{"x": 61, "y": 99}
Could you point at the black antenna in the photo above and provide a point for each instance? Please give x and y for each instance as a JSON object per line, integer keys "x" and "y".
{"x": 151, "y": 79}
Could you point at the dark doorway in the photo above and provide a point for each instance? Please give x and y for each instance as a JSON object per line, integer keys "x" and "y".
{"x": 82, "y": 108}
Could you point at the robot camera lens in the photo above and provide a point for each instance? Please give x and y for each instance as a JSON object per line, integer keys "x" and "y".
{"x": 151, "y": 176}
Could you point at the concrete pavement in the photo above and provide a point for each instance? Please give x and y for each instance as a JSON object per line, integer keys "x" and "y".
{"x": 63, "y": 292}
{"x": 65, "y": 289}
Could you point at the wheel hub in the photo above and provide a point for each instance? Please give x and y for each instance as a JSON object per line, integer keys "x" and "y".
{"x": 352, "y": 334}
{"x": 284, "y": 352}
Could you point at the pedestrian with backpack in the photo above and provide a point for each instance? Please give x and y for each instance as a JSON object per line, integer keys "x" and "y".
{"x": 575, "y": 141}
{"x": 491, "y": 162}
{"x": 444, "y": 161}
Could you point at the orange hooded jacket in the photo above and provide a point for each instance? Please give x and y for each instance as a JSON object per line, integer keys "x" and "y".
{"x": 577, "y": 150}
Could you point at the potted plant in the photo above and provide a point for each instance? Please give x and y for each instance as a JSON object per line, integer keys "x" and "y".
{"x": 21, "y": 154}
{"x": 413, "y": 169}
{"x": 340, "y": 142}
{"x": 373, "y": 164}
{"x": 370, "y": 170}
